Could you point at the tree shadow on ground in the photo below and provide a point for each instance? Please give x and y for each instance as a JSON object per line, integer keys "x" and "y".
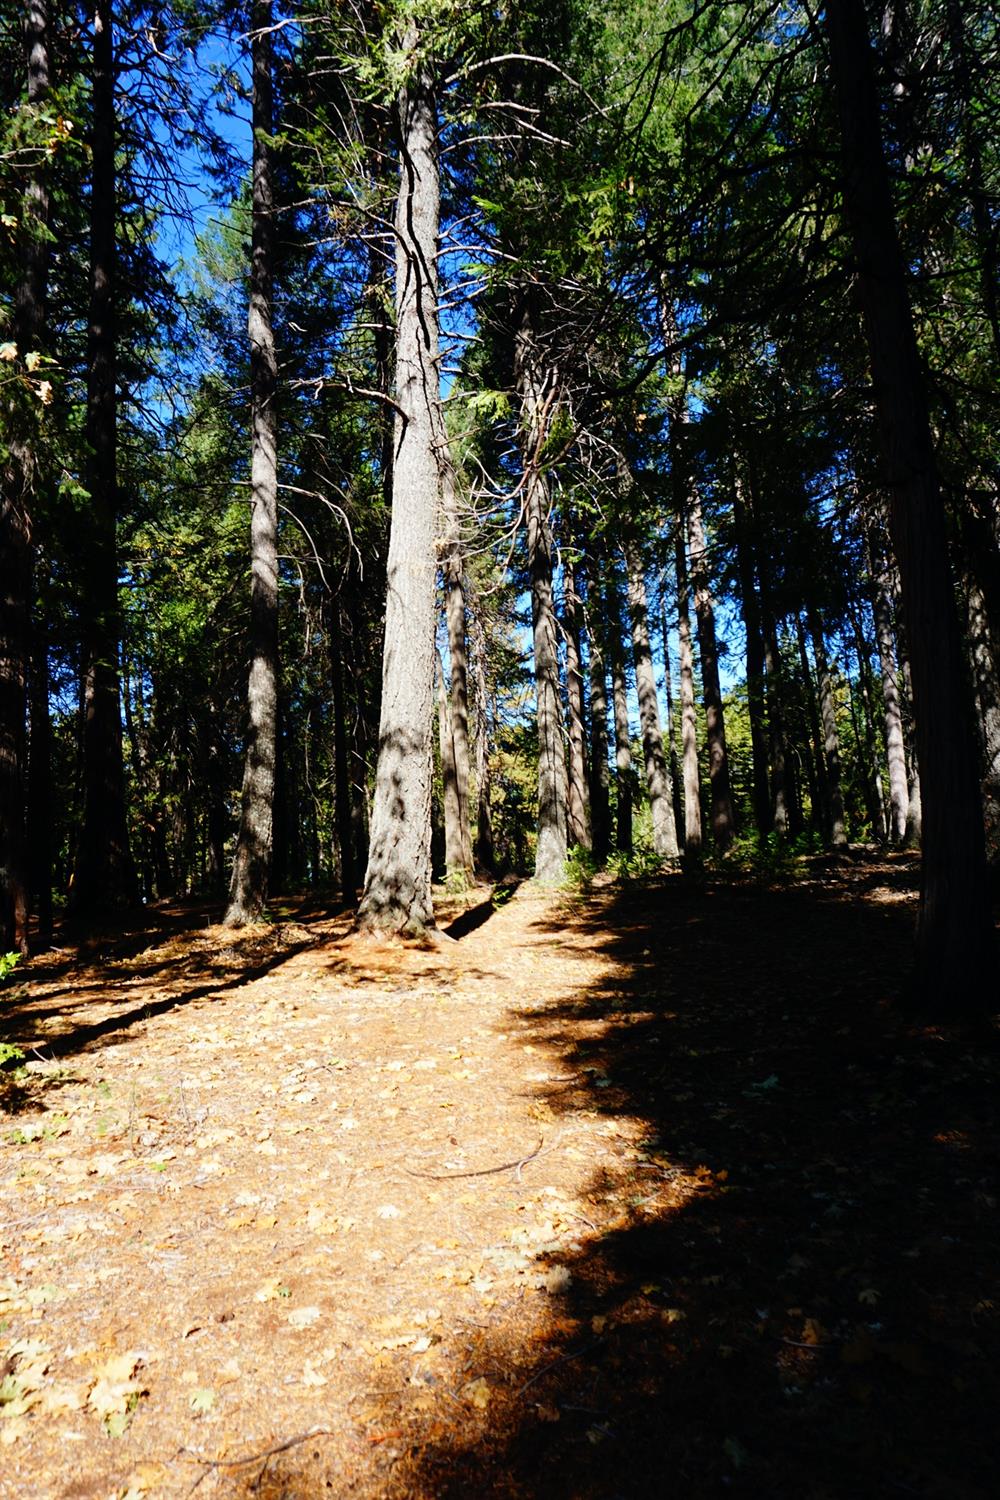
{"x": 800, "y": 1296}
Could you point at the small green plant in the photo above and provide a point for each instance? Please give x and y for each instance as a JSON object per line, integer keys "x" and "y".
{"x": 580, "y": 869}
{"x": 456, "y": 882}
{"x": 642, "y": 863}
{"x": 8, "y": 1052}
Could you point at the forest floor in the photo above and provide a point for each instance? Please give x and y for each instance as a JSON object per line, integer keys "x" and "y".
{"x": 643, "y": 1192}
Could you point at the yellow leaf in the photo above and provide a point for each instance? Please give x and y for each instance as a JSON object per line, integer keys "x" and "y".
{"x": 477, "y": 1393}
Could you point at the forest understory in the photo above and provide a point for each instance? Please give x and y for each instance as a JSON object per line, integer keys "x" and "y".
{"x": 646, "y": 1190}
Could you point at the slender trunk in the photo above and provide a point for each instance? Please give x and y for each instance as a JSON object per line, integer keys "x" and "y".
{"x": 955, "y": 970}
{"x": 104, "y": 877}
{"x": 342, "y": 793}
{"x": 215, "y": 873}
{"x": 538, "y": 393}
{"x": 723, "y": 820}
{"x": 755, "y": 660}
{"x": 979, "y": 196}
{"x": 600, "y": 778}
{"x": 821, "y": 815}
{"x": 485, "y": 858}
{"x": 40, "y": 781}
{"x": 987, "y": 690}
{"x": 578, "y": 807}
{"x": 252, "y": 864}
{"x": 894, "y": 743}
{"x": 689, "y": 718}
{"x": 619, "y": 701}
{"x": 657, "y": 772}
{"x": 453, "y": 853}
{"x": 668, "y": 698}
{"x": 874, "y": 791}
{"x": 397, "y": 893}
{"x": 777, "y": 745}
{"x": 831, "y": 738}
{"x": 17, "y": 481}
{"x": 460, "y": 858}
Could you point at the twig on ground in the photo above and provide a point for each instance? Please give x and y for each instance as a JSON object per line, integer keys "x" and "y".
{"x": 253, "y": 1458}
{"x": 507, "y": 1166}
{"x": 554, "y": 1365}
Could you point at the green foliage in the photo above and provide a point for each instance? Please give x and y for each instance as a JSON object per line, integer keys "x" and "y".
{"x": 581, "y": 867}
{"x": 8, "y": 1052}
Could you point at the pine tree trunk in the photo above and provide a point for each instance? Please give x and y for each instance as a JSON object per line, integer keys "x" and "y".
{"x": 17, "y": 480}
{"x": 955, "y": 970}
{"x": 397, "y": 893}
{"x": 821, "y": 815}
{"x": 578, "y": 808}
{"x": 831, "y": 738}
{"x": 454, "y": 595}
{"x": 485, "y": 858}
{"x": 986, "y": 684}
{"x": 874, "y": 791}
{"x": 600, "y": 778}
{"x": 689, "y": 718}
{"x": 668, "y": 697}
{"x": 619, "y": 702}
{"x": 894, "y": 743}
{"x": 453, "y": 852}
{"x": 657, "y": 772}
{"x": 723, "y": 819}
{"x": 538, "y": 394}
{"x": 755, "y": 661}
{"x": 776, "y": 740}
{"x": 40, "y": 781}
{"x": 104, "y": 877}
{"x": 252, "y": 865}
{"x": 347, "y": 874}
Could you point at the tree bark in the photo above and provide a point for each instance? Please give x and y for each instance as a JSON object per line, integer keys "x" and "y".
{"x": 689, "y": 718}
{"x": 668, "y": 703}
{"x": 777, "y": 744}
{"x": 347, "y": 872}
{"x": 538, "y": 394}
{"x": 831, "y": 738}
{"x": 894, "y": 743}
{"x": 723, "y": 819}
{"x": 460, "y": 858}
{"x": 600, "y": 778}
{"x": 485, "y": 858}
{"x": 619, "y": 702}
{"x": 657, "y": 771}
{"x": 578, "y": 807}
{"x": 755, "y": 660}
{"x": 252, "y": 865}
{"x": 955, "y": 969}
{"x": 397, "y": 893}
{"x": 453, "y": 853}
{"x": 104, "y": 878}
{"x": 17, "y": 480}
{"x": 40, "y": 782}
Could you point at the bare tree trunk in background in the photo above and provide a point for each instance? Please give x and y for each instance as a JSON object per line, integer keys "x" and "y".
{"x": 454, "y": 598}
{"x": 831, "y": 738}
{"x": 657, "y": 771}
{"x": 578, "y": 810}
{"x": 485, "y": 858}
{"x": 874, "y": 791}
{"x": 777, "y": 744}
{"x": 614, "y": 631}
{"x": 600, "y": 778}
{"x": 755, "y": 659}
{"x": 449, "y": 776}
{"x": 40, "y": 778}
{"x": 818, "y": 784}
{"x": 987, "y": 690}
{"x": 538, "y": 393}
{"x": 17, "y": 480}
{"x": 397, "y": 894}
{"x": 689, "y": 718}
{"x": 252, "y": 863}
{"x": 104, "y": 878}
{"x": 955, "y": 959}
{"x": 675, "y": 777}
{"x": 723, "y": 818}
{"x": 894, "y": 743}
{"x": 343, "y": 797}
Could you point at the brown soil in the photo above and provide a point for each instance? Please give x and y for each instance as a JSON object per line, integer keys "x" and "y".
{"x": 643, "y": 1193}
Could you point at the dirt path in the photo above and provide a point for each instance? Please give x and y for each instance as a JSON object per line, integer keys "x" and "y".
{"x": 613, "y": 1193}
